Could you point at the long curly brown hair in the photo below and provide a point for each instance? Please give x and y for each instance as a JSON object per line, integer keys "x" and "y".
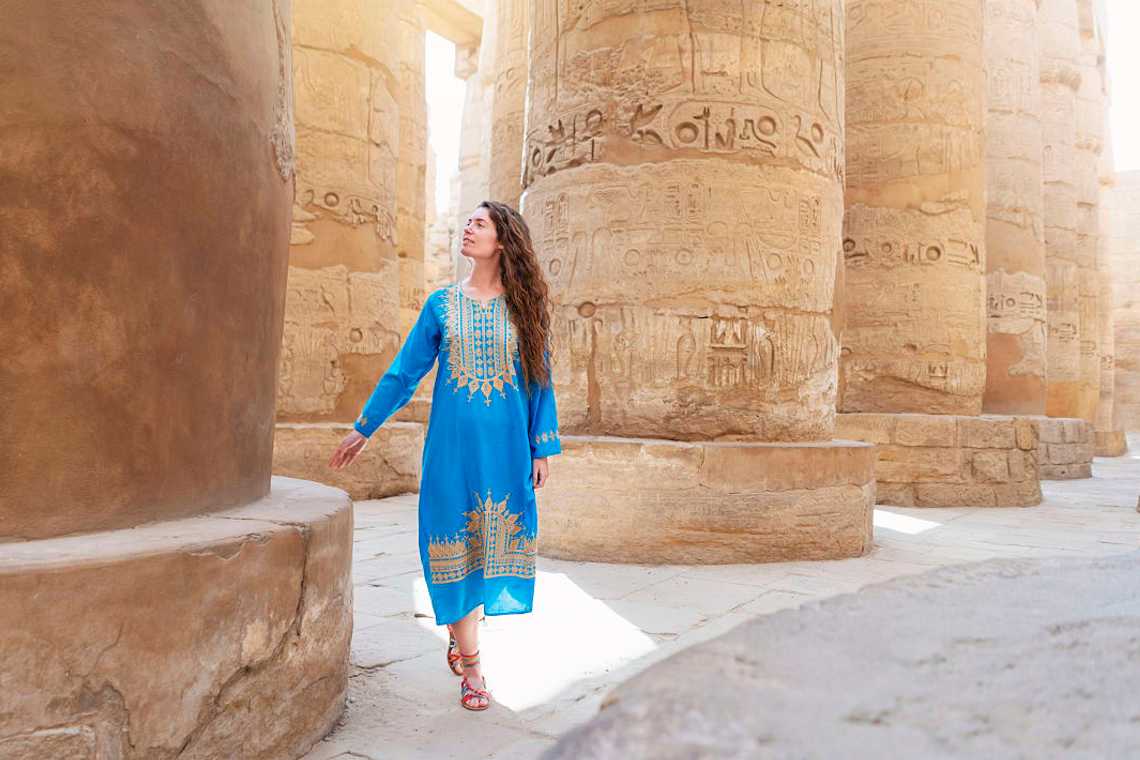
{"x": 527, "y": 294}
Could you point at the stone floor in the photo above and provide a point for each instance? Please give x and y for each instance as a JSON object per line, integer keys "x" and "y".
{"x": 597, "y": 625}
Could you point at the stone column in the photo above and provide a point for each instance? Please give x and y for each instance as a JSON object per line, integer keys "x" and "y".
{"x": 411, "y": 169}
{"x": 1089, "y": 141}
{"x": 1124, "y": 259}
{"x": 913, "y": 370}
{"x": 684, "y": 194}
{"x": 509, "y": 78}
{"x": 1015, "y": 245}
{"x": 342, "y": 319}
{"x": 162, "y": 595}
{"x": 1060, "y": 78}
{"x": 914, "y": 234}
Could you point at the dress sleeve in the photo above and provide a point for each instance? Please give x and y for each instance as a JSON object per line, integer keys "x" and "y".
{"x": 544, "y": 439}
{"x": 414, "y": 360}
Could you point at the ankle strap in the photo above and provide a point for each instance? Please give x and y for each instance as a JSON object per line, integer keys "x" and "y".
{"x": 473, "y": 656}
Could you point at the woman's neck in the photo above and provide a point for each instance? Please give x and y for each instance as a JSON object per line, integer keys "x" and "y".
{"x": 484, "y": 278}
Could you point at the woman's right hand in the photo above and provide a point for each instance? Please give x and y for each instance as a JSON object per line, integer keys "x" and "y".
{"x": 348, "y": 450}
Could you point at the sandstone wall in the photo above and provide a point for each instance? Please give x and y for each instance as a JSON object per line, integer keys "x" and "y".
{"x": 143, "y": 245}
{"x": 509, "y": 79}
{"x": 1060, "y": 78}
{"x": 914, "y": 235}
{"x": 1124, "y": 256}
{"x": 411, "y": 170}
{"x": 1015, "y": 245}
{"x": 683, "y": 187}
{"x": 342, "y": 310}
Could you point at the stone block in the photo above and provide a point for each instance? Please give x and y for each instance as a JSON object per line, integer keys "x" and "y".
{"x": 926, "y": 430}
{"x": 904, "y": 464}
{"x": 992, "y": 466}
{"x": 986, "y": 432}
{"x": 1064, "y": 453}
{"x": 954, "y": 495}
{"x": 1027, "y": 433}
{"x": 1064, "y": 471}
{"x": 655, "y": 501}
{"x": 1110, "y": 443}
{"x": 1025, "y": 493}
{"x": 224, "y": 635}
{"x": 894, "y": 494}
{"x": 870, "y": 428}
{"x": 389, "y": 464}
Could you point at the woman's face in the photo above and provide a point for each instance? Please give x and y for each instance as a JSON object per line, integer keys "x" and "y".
{"x": 480, "y": 241}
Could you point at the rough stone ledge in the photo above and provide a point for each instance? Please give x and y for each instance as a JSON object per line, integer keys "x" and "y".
{"x": 652, "y": 501}
{"x": 1067, "y": 447}
{"x": 217, "y": 636}
{"x": 1110, "y": 444}
{"x": 1001, "y": 659}
{"x": 388, "y": 466}
{"x": 943, "y": 460}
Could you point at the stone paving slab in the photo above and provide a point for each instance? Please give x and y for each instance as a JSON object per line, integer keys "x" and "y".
{"x": 608, "y": 623}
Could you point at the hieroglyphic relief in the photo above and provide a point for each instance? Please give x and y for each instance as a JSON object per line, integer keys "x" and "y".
{"x": 411, "y": 168}
{"x": 509, "y": 79}
{"x": 756, "y": 81}
{"x": 684, "y": 193}
{"x": 914, "y": 243}
{"x": 342, "y": 293}
{"x": 1060, "y": 78}
{"x": 1015, "y": 243}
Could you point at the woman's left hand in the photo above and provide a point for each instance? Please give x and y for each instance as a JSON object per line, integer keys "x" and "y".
{"x": 540, "y": 472}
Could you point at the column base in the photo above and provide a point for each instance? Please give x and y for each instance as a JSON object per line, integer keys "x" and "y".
{"x": 947, "y": 460}
{"x": 389, "y": 464}
{"x": 652, "y": 501}
{"x": 1066, "y": 448}
{"x": 1109, "y": 444}
{"x": 224, "y": 635}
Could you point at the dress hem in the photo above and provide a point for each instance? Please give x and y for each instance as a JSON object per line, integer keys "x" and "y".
{"x": 530, "y": 608}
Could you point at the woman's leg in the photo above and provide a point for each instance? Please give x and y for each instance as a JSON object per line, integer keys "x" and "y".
{"x": 466, "y": 632}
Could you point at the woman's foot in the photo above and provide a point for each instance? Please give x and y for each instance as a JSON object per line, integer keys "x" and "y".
{"x": 473, "y": 692}
{"x": 454, "y": 659}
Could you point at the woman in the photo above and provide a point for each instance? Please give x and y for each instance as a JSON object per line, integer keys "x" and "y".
{"x": 492, "y": 426}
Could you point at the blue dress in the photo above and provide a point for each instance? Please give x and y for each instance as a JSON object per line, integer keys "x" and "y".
{"x": 478, "y": 520}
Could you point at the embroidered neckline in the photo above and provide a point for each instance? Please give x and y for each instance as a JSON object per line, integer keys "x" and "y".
{"x": 481, "y": 345}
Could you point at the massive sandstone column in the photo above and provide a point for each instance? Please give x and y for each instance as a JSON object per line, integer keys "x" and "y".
{"x": 683, "y": 188}
{"x": 914, "y": 234}
{"x": 1124, "y": 258}
{"x": 913, "y": 370}
{"x": 162, "y": 596}
{"x": 342, "y": 311}
{"x": 1108, "y": 435}
{"x": 411, "y": 170}
{"x": 509, "y": 78}
{"x": 1060, "y": 78}
{"x": 1015, "y": 245}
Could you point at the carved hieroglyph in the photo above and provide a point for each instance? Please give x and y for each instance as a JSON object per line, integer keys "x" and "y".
{"x": 1089, "y": 141}
{"x": 915, "y": 336}
{"x": 1124, "y": 259}
{"x": 1015, "y": 244}
{"x": 411, "y": 171}
{"x": 509, "y": 79}
{"x": 1060, "y": 78}
{"x": 342, "y": 304}
{"x": 683, "y": 172}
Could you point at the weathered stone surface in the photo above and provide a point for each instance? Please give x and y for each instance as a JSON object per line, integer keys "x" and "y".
{"x": 914, "y": 236}
{"x": 509, "y": 79}
{"x": 342, "y": 316}
{"x": 1124, "y": 255}
{"x": 1066, "y": 448}
{"x": 411, "y": 168}
{"x": 1110, "y": 444}
{"x": 143, "y": 239}
{"x": 218, "y": 636}
{"x": 687, "y": 214}
{"x": 1060, "y": 78}
{"x": 389, "y": 464}
{"x": 1015, "y": 245}
{"x": 653, "y": 501}
{"x": 855, "y": 675}
{"x": 936, "y": 460}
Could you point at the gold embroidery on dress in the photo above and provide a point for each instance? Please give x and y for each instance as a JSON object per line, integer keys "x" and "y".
{"x": 546, "y": 436}
{"x": 481, "y": 344}
{"x": 490, "y": 542}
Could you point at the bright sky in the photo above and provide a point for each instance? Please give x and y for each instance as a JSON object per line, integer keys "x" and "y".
{"x": 444, "y": 92}
{"x": 445, "y": 96}
{"x": 1124, "y": 79}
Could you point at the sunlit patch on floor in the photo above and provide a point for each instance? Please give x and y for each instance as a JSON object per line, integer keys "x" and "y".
{"x": 570, "y": 636}
{"x": 903, "y": 523}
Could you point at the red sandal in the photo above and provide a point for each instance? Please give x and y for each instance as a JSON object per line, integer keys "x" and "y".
{"x": 471, "y": 698}
{"x": 454, "y": 659}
